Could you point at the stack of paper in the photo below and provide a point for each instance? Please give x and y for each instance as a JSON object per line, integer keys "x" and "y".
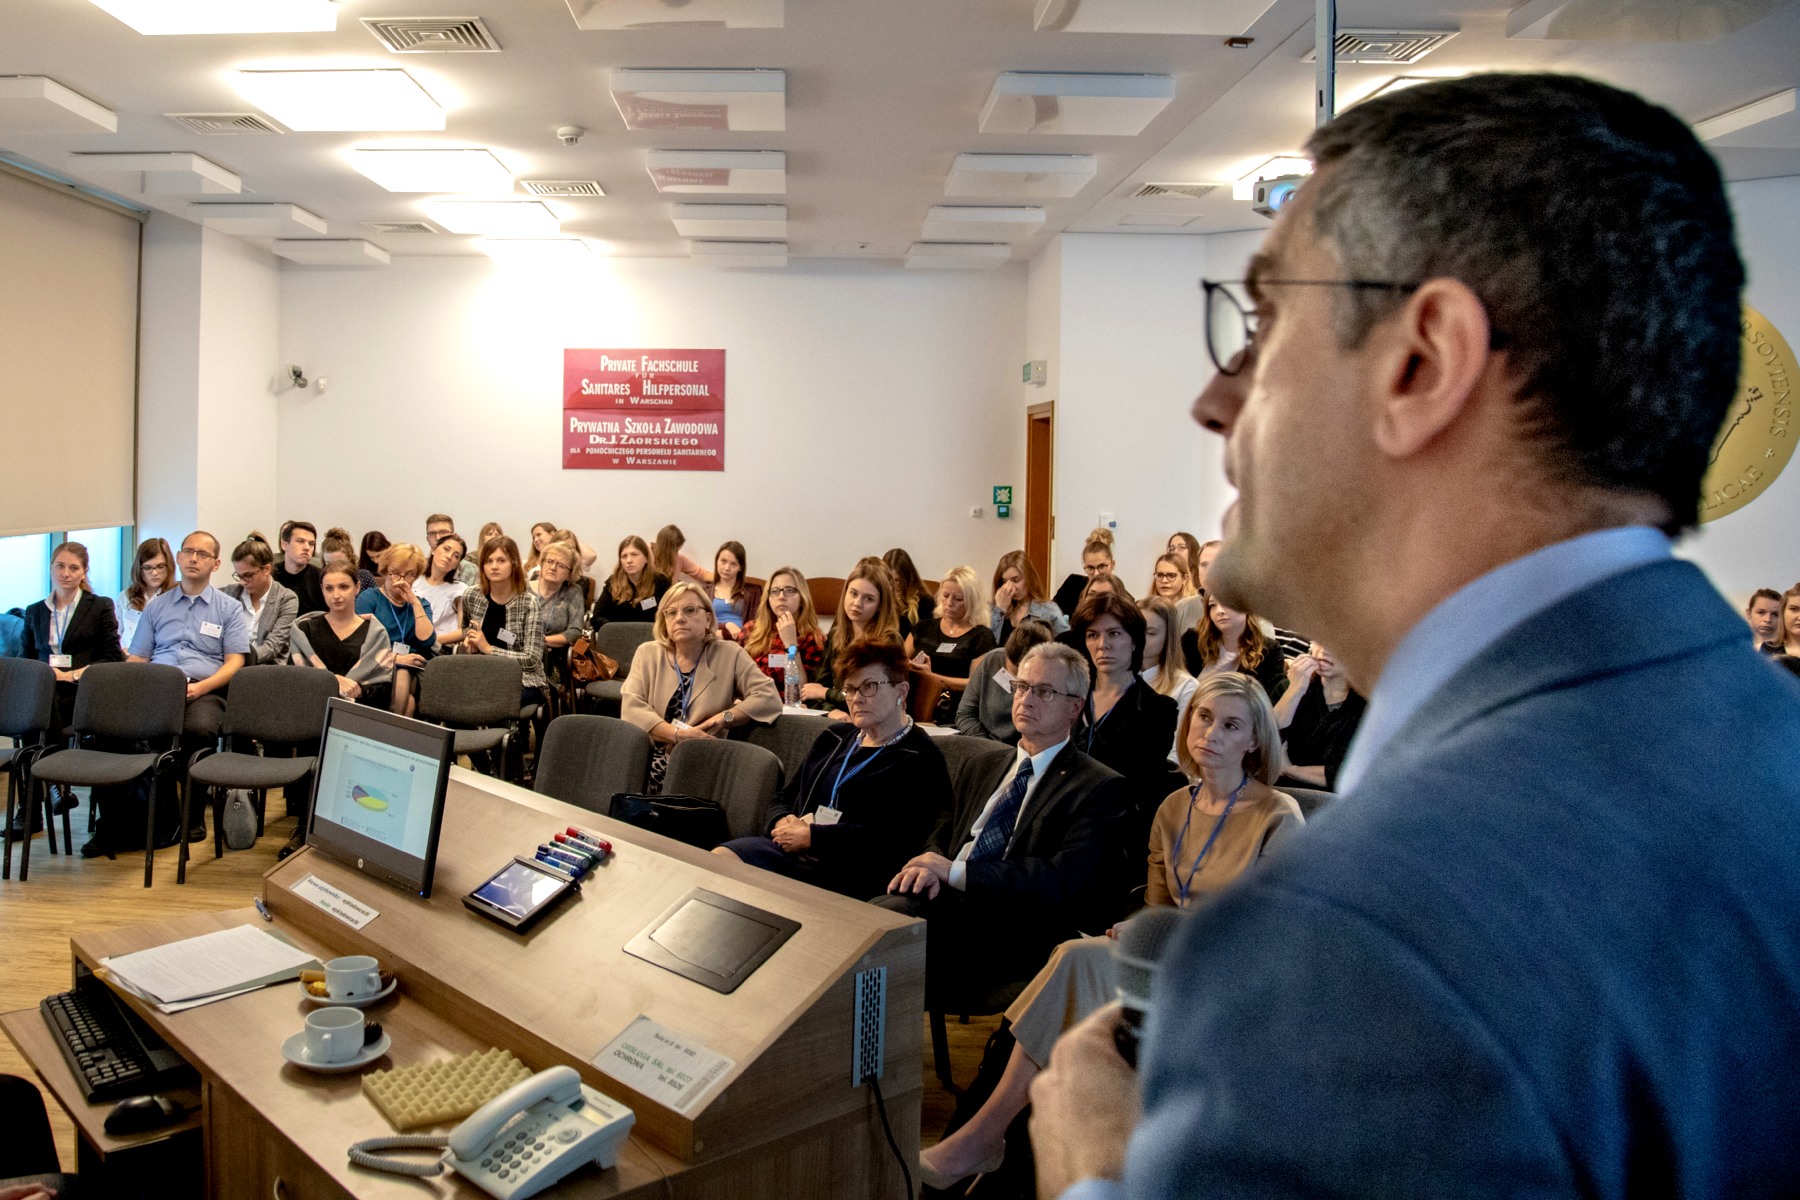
{"x": 210, "y": 967}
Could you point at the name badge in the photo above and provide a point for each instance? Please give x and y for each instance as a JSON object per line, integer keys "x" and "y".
{"x": 62, "y": 662}
{"x": 505, "y": 635}
{"x": 946, "y": 648}
{"x": 648, "y": 603}
{"x": 826, "y": 816}
{"x": 402, "y": 648}
{"x": 211, "y": 629}
{"x": 1005, "y": 680}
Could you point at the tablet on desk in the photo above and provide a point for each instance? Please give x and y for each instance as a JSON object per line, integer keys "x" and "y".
{"x": 519, "y": 894}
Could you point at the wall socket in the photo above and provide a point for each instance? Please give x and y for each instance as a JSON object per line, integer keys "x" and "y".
{"x": 974, "y": 510}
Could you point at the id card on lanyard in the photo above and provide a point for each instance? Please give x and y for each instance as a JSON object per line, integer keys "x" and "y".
{"x": 59, "y": 622}
{"x": 685, "y": 689}
{"x": 844, "y": 772}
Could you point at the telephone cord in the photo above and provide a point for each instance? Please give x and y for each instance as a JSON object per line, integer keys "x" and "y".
{"x": 363, "y": 1154}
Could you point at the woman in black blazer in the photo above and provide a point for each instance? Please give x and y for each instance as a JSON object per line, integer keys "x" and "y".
{"x": 868, "y": 794}
{"x": 1127, "y": 724}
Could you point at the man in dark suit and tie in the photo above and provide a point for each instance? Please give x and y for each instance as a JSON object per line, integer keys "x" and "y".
{"x": 1545, "y": 942}
{"x": 1002, "y": 882}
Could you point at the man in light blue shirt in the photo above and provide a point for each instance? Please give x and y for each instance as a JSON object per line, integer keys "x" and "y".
{"x": 1544, "y": 943}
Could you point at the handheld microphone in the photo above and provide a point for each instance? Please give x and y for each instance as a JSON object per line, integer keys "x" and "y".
{"x": 1142, "y": 942}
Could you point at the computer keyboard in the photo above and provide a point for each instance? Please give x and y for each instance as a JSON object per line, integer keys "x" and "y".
{"x": 107, "y": 1046}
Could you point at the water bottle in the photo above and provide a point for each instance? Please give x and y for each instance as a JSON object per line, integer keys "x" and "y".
{"x": 794, "y": 677}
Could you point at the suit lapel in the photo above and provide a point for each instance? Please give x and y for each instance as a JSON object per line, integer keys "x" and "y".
{"x": 1044, "y": 796}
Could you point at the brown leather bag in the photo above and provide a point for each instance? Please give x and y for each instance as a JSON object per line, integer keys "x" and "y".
{"x": 587, "y": 664}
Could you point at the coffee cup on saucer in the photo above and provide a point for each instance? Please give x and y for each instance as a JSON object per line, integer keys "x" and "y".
{"x": 334, "y": 1035}
{"x": 353, "y": 977}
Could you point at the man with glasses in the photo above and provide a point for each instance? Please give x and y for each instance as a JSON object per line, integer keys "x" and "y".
{"x": 1036, "y": 862}
{"x": 203, "y": 632}
{"x": 1544, "y": 943}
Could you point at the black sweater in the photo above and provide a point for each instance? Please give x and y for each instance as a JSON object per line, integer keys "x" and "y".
{"x": 607, "y": 609}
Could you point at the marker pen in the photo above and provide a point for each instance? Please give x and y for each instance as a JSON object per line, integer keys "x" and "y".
{"x": 557, "y": 868}
{"x": 593, "y": 839}
{"x": 578, "y": 866}
{"x": 577, "y": 846}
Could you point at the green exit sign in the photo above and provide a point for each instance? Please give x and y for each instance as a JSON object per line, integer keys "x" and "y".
{"x": 1003, "y": 495}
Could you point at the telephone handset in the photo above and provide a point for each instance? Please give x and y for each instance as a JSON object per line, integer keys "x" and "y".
{"x": 530, "y": 1136}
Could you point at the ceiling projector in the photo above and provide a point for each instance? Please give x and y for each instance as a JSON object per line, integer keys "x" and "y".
{"x": 1270, "y": 196}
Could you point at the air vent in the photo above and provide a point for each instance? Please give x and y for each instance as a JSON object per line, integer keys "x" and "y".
{"x": 562, "y": 187}
{"x": 399, "y": 227}
{"x": 432, "y": 35}
{"x": 1192, "y": 191}
{"x": 220, "y": 124}
{"x": 1391, "y": 46}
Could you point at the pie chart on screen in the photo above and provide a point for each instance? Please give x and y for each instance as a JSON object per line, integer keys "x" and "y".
{"x": 371, "y": 800}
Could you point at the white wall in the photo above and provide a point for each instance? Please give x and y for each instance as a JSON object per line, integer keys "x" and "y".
{"x": 866, "y": 407}
{"x": 168, "y": 379}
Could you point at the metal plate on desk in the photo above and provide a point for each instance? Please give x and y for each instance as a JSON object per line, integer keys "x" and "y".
{"x": 712, "y": 939}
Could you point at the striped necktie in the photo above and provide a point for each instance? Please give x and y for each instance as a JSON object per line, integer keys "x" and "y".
{"x": 999, "y": 828}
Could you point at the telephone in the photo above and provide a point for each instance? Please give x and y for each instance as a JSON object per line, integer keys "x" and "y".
{"x": 553, "y": 1124}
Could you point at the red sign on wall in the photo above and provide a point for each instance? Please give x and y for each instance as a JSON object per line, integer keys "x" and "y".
{"x": 644, "y": 410}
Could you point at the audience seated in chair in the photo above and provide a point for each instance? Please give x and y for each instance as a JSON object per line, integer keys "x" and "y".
{"x": 1035, "y": 863}
{"x": 867, "y": 794}
{"x": 913, "y": 605}
{"x": 438, "y": 526}
{"x": 368, "y": 559}
{"x": 667, "y": 560}
{"x": 269, "y": 607}
{"x": 1318, "y": 714}
{"x": 1789, "y": 635}
{"x": 564, "y": 597}
{"x": 634, "y": 590}
{"x": 1229, "y": 640}
{"x": 443, "y": 586}
{"x": 296, "y": 571}
{"x": 1164, "y": 669}
{"x": 502, "y": 616}
{"x": 352, "y": 645}
{"x": 1764, "y": 615}
{"x": 784, "y": 626}
{"x": 1096, "y": 559}
{"x": 1126, "y": 724}
{"x": 985, "y": 709}
{"x": 869, "y": 610}
{"x": 1204, "y": 837}
{"x": 735, "y": 599}
{"x": 1019, "y": 593}
{"x": 688, "y": 683}
{"x": 152, "y": 574}
{"x": 950, "y": 641}
{"x": 408, "y": 618}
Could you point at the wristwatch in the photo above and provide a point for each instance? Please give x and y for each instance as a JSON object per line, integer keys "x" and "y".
{"x": 729, "y": 716}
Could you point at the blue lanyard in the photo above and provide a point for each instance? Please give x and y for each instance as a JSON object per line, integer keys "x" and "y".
{"x": 685, "y": 689}
{"x": 1093, "y": 725}
{"x": 844, "y": 771}
{"x": 1175, "y": 856}
{"x": 59, "y": 621}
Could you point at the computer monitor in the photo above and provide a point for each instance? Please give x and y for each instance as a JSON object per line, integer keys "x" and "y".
{"x": 378, "y": 794}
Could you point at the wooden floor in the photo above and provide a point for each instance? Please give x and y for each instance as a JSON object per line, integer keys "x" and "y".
{"x": 67, "y": 894}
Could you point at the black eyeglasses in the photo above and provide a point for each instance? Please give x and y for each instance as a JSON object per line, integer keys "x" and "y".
{"x": 1231, "y": 321}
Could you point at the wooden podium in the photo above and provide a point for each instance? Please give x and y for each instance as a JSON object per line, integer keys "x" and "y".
{"x": 786, "y": 1120}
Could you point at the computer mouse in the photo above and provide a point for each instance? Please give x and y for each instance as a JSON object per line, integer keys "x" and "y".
{"x": 140, "y": 1114}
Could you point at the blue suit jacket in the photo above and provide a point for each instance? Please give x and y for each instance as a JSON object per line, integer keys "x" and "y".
{"x": 1550, "y": 945}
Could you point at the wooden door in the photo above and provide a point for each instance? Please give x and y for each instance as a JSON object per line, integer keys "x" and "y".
{"x": 1040, "y": 519}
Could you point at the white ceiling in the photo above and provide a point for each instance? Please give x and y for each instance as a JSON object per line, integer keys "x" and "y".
{"x": 881, "y": 97}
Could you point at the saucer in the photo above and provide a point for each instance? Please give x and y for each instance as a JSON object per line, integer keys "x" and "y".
{"x": 294, "y": 1050}
{"x": 359, "y": 1002}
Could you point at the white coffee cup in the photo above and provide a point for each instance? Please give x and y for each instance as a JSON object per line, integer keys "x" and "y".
{"x": 353, "y": 977}
{"x": 334, "y": 1035}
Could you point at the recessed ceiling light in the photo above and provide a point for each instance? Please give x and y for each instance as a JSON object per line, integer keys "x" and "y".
{"x": 957, "y": 255}
{"x": 1220, "y": 18}
{"x": 38, "y": 104}
{"x": 535, "y": 250}
{"x": 1031, "y": 102}
{"x": 459, "y": 172}
{"x": 259, "y": 219}
{"x": 947, "y": 222}
{"x": 1772, "y": 123}
{"x": 749, "y": 172}
{"x": 739, "y": 254}
{"x": 1019, "y": 174}
{"x": 164, "y": 17}
{"x": 331, "y": 252}
{"x": 656, "y": 14}
{"x": 1273, "y": 168}
{"x": 350, "y": 101}
{"x": 170, "y": 174}
{"x": 762, "y": 221}
{"x": 496, "y": 218}
{"x": 715, "y": 100}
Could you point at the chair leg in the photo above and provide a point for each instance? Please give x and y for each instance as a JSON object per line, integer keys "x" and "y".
{"x": 150, "y": 827}
{"x": 50, "y": 820}
{"x": 217, "y": 800}
{"x": 181, "y": 854}
{"x": 940, "y": 1052}
{"x": 68, "y": 837}
{"x": 26, "y": 785}
{"x": 12, "y": 784}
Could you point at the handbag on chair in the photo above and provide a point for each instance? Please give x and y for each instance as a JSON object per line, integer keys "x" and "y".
{"x": 587, "y": 664}
{"x": 692, "y": 819}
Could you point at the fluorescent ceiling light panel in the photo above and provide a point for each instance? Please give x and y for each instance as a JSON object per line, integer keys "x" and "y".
{"x": 36, "y": 104}
{"x": 948, "y": 222}
{"x": 536, "y": 251}
{"x": 1019, "y": 174}
{"x": 1157, "y": 220}
{"x": 1273, "y": 168}
{"x": 957, "y": 255}
{"x": 1217, "y": 18}
{"x": 458, "y": 172}
{"x": 739, "y": 254}
{"x": 1772, "y": 123}
{"x": 349, "y": 101}
{"x": 1112, "y": 105}
{"x": 157, "y": 18}
{"x": 175, "y": 174}
{"x": 712, "y": 100}
{"x": 496, "y": 218}
{"x": 750, "y": 172}
{"x": 332, "y": 252}
{"x": 259, "y": 220}
{"x": 761, "y": 221}
{"x": 650, "y": 14}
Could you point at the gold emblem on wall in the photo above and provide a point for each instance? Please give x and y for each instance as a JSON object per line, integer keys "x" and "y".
{"x": 1757, "y": 439}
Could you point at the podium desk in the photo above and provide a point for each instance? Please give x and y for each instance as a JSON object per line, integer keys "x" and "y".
{"x": 785, "y": 1120}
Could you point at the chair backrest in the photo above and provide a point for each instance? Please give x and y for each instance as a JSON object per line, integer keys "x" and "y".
{"x": 619, "y": 640}
{"x": 585, "y": 759}
{"x": 27, "y": 691}
{"x": 471, "y": 691}
{"x": 927, "y": 686}
{"x": 131, "y": 702}
{"x": 827, "y": 591}
{"x": 789, "y": 738}
{"x": 738, "y": 775}
{"x": 976, "y": 766}
{"x": 282, "y": 706}
{"x": 1310, "y": 800}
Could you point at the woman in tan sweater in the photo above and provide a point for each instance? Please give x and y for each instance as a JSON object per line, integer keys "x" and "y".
{"x": 1203, "y": 837}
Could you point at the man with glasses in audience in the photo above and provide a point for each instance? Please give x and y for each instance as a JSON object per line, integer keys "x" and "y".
{"x": 204, "y": 632}
{"x": 1036, "y": 862}
{"x": 1544, "y": 944}
{"x": 296, "y": 571}
{"x": 439, "y": 526}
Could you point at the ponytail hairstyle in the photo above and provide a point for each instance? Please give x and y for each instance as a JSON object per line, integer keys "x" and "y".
{"x": 337, "y": 541}
{"x": 666, "y": 554}
{"x": 79, "y": 553}
{"x": 908, "y": 587}
{"x": 256, "y": 548}
{"x": 1099, "y": 541}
